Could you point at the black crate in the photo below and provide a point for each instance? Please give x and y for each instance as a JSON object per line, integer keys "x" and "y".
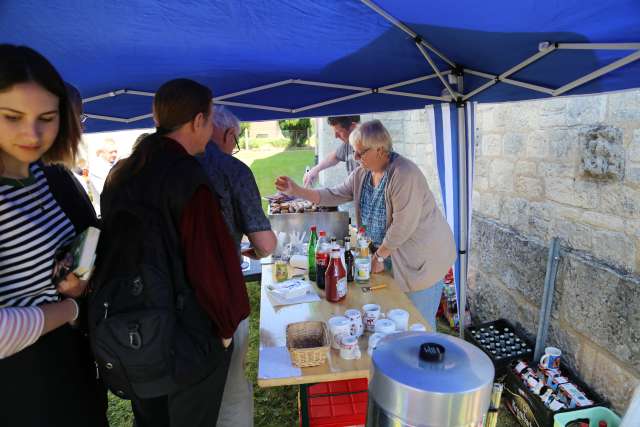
{"x": 529, "y": 409}
{"x": 500, "y": 360}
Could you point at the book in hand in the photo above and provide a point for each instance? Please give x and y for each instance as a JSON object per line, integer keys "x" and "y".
{"x": 76, "y": 257}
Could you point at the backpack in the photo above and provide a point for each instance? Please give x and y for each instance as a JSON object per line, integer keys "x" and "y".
{"x": 148, "y": 332}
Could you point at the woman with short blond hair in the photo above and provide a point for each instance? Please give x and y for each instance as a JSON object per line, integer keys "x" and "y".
{"x": 393, "y": 201}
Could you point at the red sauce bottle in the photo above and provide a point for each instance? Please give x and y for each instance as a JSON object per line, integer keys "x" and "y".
{"x": 335, "y": 278}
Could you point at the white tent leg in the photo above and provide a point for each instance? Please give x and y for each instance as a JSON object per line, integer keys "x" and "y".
{"x": 463, "y": 208}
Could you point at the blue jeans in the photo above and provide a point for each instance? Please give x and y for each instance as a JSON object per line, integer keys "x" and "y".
{"x": 427, "y": 301}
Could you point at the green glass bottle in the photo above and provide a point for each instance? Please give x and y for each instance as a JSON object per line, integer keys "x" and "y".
{"x": 311, "y": 253}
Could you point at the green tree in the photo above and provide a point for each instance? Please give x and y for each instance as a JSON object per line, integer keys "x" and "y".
{"x": 296, "y": 130}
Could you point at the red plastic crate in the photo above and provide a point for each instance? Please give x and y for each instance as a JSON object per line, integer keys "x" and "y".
{"x": 335, "y": 403}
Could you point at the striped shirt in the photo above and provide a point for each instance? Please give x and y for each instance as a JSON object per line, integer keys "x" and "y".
{"x": 19, "y": 328}
{"x": 32, "y": 228}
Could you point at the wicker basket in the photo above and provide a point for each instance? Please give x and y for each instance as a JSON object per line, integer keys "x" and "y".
{"x": 308, "y": 343}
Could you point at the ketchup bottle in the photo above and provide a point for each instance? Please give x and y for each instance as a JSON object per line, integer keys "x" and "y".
{"x": 335, "y": 278}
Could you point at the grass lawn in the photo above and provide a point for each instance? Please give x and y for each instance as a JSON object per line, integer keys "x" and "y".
{"x": 276, "y": 406}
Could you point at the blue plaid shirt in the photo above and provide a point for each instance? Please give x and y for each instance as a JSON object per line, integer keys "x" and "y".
{"x": 373, "y": 210}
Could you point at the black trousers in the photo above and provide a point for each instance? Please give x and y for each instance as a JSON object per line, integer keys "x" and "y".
{"x": 52, "y": 383}
{"x": 196, "y": 405}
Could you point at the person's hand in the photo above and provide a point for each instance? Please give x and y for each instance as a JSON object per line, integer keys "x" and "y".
{"x": 285, "y": 185}
{"x": 226, "y": 342}
{"x": 310, "y": 177}
{"x": 376, "y": 267}
{"x": 251, "y": 253}
{"x": 72, "y": 286}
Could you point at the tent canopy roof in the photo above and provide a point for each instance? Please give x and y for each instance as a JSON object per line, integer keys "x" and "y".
{"x": 232, "y": 46}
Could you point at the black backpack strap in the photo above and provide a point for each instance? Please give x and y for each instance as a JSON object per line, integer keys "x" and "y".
{"x": 71, "y": 197}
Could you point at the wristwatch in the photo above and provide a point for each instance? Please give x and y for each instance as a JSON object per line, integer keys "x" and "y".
{"x": 379, "y": 258}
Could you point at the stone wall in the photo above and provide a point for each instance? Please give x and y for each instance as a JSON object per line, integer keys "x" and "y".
{"x": 565, "y": 167}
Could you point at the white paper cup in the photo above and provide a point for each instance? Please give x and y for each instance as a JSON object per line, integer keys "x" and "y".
{"x": 400, "y": 317}
{"x": 418, "y": 327}
{"x": 339, "y": 327}
{"x": 385, "y": 326}
{"x": 349, "y": 348}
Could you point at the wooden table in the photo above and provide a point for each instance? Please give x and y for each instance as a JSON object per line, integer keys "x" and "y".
{"x": 275, "y": 367}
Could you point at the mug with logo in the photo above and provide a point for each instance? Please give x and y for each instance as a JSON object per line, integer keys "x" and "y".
{"x": 355, "y": 318}
{"x": 551, "y": 358}
{"x": 371, "y": 313}
{"x": 400, "y": 317}
{"x": 339, "y": 327}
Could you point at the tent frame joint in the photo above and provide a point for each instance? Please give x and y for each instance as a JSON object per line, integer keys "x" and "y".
{"x": 418, "y": 39}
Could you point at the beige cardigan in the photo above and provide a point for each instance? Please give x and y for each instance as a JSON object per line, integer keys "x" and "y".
{"x": 420, "y": 240}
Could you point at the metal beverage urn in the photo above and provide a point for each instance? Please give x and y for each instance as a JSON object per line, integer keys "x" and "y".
{"x": 421, "y": 379}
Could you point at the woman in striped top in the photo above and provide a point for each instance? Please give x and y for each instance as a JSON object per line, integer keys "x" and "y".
{"x": 47, "y": 370}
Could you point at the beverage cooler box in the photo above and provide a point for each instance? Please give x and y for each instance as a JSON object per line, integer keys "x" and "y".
{"x": 501, "y": 341}
{"x": 528, "y": 407}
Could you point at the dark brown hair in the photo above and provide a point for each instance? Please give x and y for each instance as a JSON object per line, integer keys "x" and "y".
{"x": 175, "y": 104}
{"x": 21, "y": 64}
{"x": 344, "y": 122}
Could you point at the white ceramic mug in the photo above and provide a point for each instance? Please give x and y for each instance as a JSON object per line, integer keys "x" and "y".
{"x": 371, "y": 313}
{"x": 418, "y": 327}
{"x": 551, "y": 358}
{"x": 355, "y": 318}
{"x": 385, "y": 326}
{"x": 349, "y": 348}
{"x": 400, "y": 317}
{"x": 339, "y": 327}
{"x": 373, "y": 341}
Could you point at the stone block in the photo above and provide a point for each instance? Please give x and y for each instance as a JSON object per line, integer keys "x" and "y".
{"x": 632, "y": 175}
{"x": 540, "y": 222}
{"x": 602, "y": 155}
{"x": 487, "y": 204}
{"x": 514, "y": 144}
{"x": 537, "y": 145}
{"x": 619, "y": 200}
{"x": 575, "y": 235}
{"x": 515, "y": 212}
{"x": 602, "y": 305}
{"x": 560, "y": 170}
{"x": 562, "y": 336}
{"x": 633, "y": 150}
{"x": 615, "y": 248}
{"x": 570, "y": 192}
{"x": 553, "y": 113}
{"x": 481, "y": 183}
{"x": 605, "y": 221}
{"x": 501, "y": 177}
{"x": 565, "y": 212}
{"x": 624, "y": 106}
{"x": 410, "y": 151}
{"x": 527, "y": 168}
{"x": 531, "y": 188}
{"x": 491, "y": 144}
{"x": 586, "y": 110}
{"x": 563, "y": 145}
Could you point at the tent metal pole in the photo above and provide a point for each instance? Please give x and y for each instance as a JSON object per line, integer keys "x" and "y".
{"x": 528, "y": 86}
{"x": 599, "y": 72}
{"x": 547, "y": 297}
{"x": 416, "y": 80}
{"x": 331, "y": 101}
{"x": 527, "y": 62}
{"x": 332, "y": 85}
{"x": 480, "y": 89}
{"x": 255, "y": 89}
{"x": 463, "y": 207}
{"x": 256, "y": 106}
{"x": 107, "y": 118}
{"x": 435, "y": 68}
{"x": 139, "y": 92}
{"x": 103, "y": 96}
{"x": 412, "y": 95}
{"x": 600, "y": 46}
{"x": 406, "y": 29}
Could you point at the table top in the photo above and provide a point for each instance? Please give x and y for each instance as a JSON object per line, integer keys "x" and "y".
{"x": 275, "y": 367}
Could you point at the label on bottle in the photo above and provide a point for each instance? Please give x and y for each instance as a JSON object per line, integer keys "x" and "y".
{"x": 363, "y": 269}
{"x": 341, "y": 287}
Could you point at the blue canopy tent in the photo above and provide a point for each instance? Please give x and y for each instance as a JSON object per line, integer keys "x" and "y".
{"x": 301, "y": 58}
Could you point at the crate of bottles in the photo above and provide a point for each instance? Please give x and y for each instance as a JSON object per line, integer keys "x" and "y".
{"x": 501, "y": 342}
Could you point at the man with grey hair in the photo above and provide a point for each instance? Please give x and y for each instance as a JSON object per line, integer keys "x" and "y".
{"x": 241, "y": 206}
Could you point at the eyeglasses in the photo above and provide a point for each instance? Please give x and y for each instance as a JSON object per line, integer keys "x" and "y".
{"x": 235, "y": 138}
{"x": 358, "y": 155}
{"x": 83, "y": 118}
